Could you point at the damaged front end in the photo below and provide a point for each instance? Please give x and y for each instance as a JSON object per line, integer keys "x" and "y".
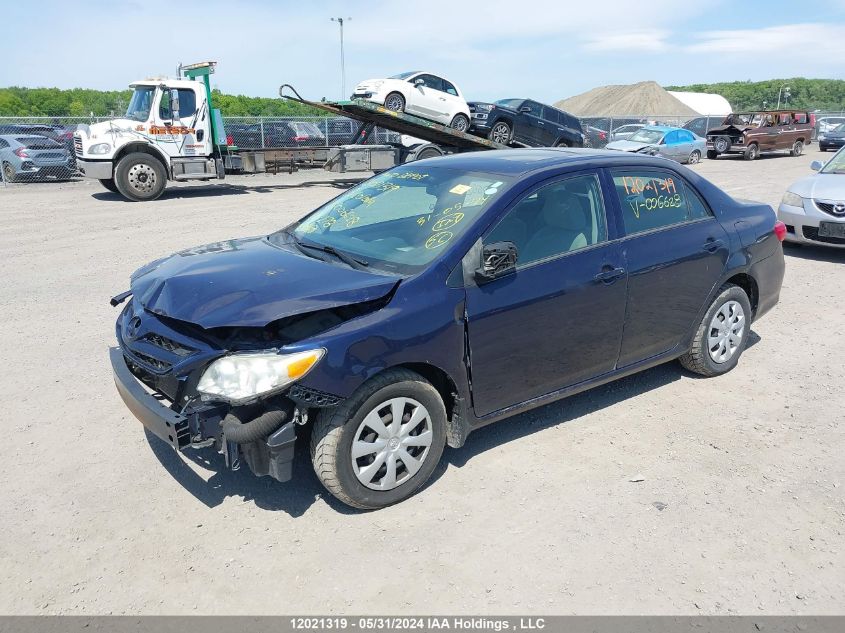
{"x": 187, "y": 383}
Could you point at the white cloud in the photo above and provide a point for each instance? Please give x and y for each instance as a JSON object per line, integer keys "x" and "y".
{"x": 812, "y": 41}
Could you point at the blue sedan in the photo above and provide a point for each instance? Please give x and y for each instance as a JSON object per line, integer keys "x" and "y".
{"x": 670, "y": 142}
{"x": 435, "y": 298}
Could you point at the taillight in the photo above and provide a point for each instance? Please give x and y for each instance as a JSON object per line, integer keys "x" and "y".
{"x": 780, "y": 230}
{"x": 230, "y": 140}
{"x": 602, "y": 136}
{"x": 21, "y": 152}
{"x": 300, "y": 139}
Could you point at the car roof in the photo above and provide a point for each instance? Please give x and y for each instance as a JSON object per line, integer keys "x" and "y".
{"x": 519, "y": 162}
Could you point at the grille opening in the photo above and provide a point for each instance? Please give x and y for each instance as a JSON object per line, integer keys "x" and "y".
{"x": 812, "y": 233}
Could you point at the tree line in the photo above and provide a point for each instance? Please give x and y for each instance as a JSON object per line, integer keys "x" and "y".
{"x": 812, "y": 94}
{"x": 81, "y": 102}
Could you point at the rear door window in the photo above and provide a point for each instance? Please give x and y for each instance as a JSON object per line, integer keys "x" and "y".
{"x": 449, "y": 88}
{"x": 654, "y": 199}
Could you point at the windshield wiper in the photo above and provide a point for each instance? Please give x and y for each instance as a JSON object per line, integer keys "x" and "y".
{"x": 346, "y": 258}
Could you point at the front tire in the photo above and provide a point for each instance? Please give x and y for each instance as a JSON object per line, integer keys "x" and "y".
{"x": 366, "y": 459}
{"x": 460, "y": 123}
{"x": 108, "y": 183}
{"x": 752, "y": 152}
{"x": 140, "y": 177}
{"x": 394, "y": 102}
{"x": 722, "y": 334}
{"x": 500, "y": 133}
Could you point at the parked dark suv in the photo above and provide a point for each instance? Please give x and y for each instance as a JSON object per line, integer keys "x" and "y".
{"x": 525, "y": 122}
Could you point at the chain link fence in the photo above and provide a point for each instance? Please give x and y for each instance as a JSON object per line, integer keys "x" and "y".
{"x": 40, "y": 149}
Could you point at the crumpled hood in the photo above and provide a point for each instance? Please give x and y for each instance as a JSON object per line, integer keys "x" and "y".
{"x": 820, "y": 186}
{"x": 624, "y": 145}
{"x": 249, "y": 283}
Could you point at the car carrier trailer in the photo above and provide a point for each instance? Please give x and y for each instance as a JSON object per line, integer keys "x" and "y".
{"x": 172, "y": 132}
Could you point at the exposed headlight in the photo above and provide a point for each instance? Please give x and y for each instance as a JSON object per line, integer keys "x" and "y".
{"x": 484, "y": 107}
{"x": 239, "y": 377}
{"x": 792, "y": 200}
{"x": 99, "y": 148}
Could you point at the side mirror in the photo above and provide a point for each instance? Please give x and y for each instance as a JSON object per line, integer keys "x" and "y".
{"x": 174, "y": 104}
{"x": 497, "y": 259}
{"x": 816, "y": 165}
{"x": 525, "y": 109}
{"x": 419, "y": 82}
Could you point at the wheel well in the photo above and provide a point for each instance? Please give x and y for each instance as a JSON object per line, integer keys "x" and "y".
{"x": 440, "y": 380}
{"x": 503, "y": 119}
{"x": 749, "y": 285}
{"x": 143, "y": 148}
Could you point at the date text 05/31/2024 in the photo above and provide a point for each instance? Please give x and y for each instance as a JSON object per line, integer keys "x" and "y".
{"x": 418, "y": 623}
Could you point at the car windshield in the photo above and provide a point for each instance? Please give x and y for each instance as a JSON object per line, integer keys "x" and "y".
{"x": 835, "y": 165}
{"x": 140, "y": 104}
{"x": 510, "y": 103}
{"x": 647, "y": 136}
{"x": 399, "y": 220}
{"x": 404, "y": 75}
{"x": 839, "y": 128}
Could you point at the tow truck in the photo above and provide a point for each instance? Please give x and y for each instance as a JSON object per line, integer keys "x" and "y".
{"x": 172, "y": 132}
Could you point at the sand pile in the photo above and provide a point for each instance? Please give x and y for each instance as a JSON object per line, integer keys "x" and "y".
{"x": 644, "y": 98}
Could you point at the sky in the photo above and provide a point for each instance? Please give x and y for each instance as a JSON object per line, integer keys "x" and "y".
{"x": 492, "y": 49}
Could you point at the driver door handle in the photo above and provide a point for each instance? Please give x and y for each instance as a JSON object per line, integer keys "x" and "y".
{"x": 609, "y": 275}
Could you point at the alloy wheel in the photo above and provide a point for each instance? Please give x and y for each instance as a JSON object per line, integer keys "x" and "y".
{"x": 727, "y": 328}
{"x": 395, "y": 103}
{"x": 391, "y": 443}
{"x": 500, "y": 133}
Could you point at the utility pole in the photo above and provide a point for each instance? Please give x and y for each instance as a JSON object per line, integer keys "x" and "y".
{"x": 343, "y": 94}
{"x": 785, "y": 89}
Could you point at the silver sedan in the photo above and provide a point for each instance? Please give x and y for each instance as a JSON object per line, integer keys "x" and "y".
{"x": 813, "y": 208}
{"x": 670, "y": 142}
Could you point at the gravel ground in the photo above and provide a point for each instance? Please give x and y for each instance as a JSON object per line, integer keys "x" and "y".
{"x": 660, "y": 493}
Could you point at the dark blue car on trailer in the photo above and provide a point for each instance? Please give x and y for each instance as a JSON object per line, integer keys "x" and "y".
{"x": 435, "y": 298}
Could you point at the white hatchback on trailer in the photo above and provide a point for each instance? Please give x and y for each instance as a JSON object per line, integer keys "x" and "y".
{"x": 419, "y": 93}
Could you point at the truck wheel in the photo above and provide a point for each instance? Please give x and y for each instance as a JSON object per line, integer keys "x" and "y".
{"x": 751, "y": 152}
{"x": 712, "y": 154}
{"x": 460, "y": 123}
{"x": 722, "y": 144}
{"x": 721, "y": 336}
{"x": 9, "y": 173}
{"x": 382, "y": 443}
{"x": 428, "y": 152}
{"x": 797, "y": 148}
{"x": 501, "y": 133}
{"x": 395, "y": 102}
{"x": 108, "y": 183}
{"x": 139, "y": 176}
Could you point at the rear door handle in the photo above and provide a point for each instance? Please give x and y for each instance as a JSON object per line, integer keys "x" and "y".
{"x": 712, "y": 245}
{"x": 609, "y": 275}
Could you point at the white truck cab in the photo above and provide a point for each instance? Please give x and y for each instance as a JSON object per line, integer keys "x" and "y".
{"x": 169, "y": 132}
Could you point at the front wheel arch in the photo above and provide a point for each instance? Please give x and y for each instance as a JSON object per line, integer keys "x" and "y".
{"x": 132, "y": 148}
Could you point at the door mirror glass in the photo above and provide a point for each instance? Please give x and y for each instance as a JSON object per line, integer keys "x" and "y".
{"x": 816, "y": 165}
{"x": 174, "y": 104}
{"x": 497, "y": 259}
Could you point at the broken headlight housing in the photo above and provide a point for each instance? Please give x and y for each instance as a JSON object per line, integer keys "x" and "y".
{"x": 238, "y": 378}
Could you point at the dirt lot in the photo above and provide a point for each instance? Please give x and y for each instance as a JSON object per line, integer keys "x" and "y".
{"x": 535, "y": 515}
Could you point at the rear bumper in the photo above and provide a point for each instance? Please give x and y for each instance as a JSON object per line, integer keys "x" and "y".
{"x": 99, "y": 169}
{"x": 768, "y": 273}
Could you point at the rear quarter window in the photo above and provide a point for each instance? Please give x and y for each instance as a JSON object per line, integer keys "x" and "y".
{"x": 652, "y": 200}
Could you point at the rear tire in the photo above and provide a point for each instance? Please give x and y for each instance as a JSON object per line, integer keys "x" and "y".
{"x": 340, "y": 431}
{"x": 694, "y": 157}
{"x": 722, "y": 334}
{"x": 9, "y": 173}
{"x": 797, "y": 148}
{"x": 108, "y": 183}
{"x": 752, "y": 152}
{"x": 140, "y": 177}
{"x": 394, "y": 102}
{"x": 460, "y": 123}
